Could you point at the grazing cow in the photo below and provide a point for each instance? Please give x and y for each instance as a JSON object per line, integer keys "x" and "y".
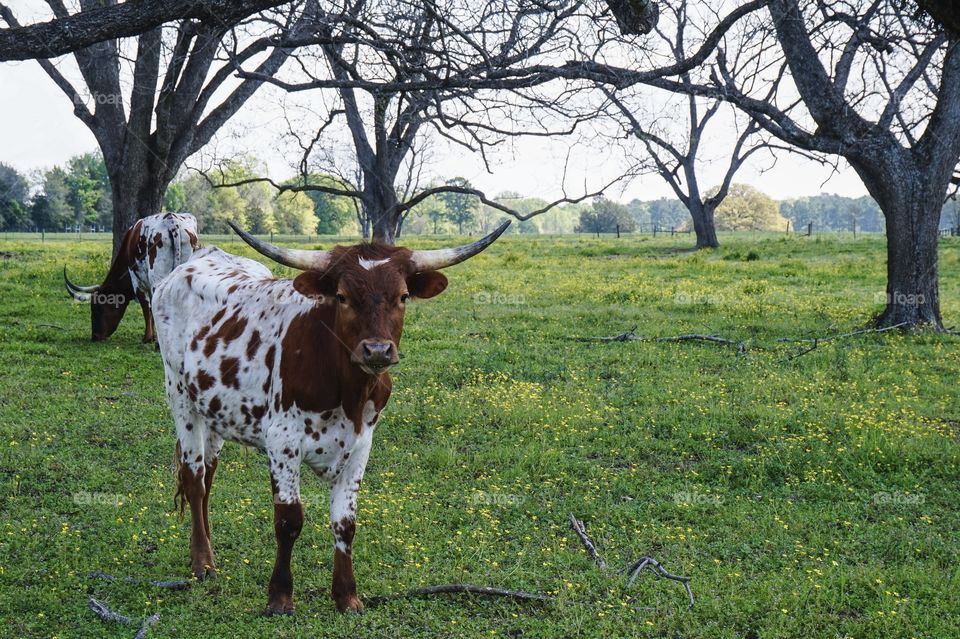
{"x": 151, "y": 249}
{"x": 296, "y": 368}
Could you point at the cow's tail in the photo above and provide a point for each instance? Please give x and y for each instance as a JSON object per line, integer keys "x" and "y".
{"x": 176, "y": 240}
{"x": 180, "y": 496}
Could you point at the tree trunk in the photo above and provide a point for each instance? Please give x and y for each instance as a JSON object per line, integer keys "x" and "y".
{"x": 703, "y": 226}
{"x": 913, "y": 292}
{"x": 380, "y": 206}
{"x": 911, "y": 197}
{"x": 135, "y": 195}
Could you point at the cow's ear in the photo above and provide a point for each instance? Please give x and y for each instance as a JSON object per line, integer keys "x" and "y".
{"x": 315, "y": 285}
{"x": 427, "y": 284}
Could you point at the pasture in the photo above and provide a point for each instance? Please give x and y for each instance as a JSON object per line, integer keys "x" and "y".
{"x": 807, "y": 497}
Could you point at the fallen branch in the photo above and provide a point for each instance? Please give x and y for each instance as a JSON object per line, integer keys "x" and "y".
{"x": 372, "y": 602}
{"x": 622, "y": 337}
{"x": 816, "y": 341}
{"x": 145, "y": 626}
{"x": 630, "y": 335}
{"x": 176, "y": 584}
{"x": 704, "y": 338}
{"x": 657, "y": 567}
{"x": 101, "y": 610}
{"x": 578, "y": 528}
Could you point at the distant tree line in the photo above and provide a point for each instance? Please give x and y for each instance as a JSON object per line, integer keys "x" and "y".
{"x": 77, "y": 196}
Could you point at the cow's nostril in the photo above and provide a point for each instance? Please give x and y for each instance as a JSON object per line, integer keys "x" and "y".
{"x": 378, "y": 352}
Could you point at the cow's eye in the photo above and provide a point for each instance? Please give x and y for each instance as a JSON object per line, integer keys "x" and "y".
{"x": 341, "y": 298}
{"x": 405, "y": 297}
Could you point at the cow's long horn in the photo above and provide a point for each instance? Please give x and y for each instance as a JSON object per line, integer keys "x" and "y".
{"x": 295, "y": 258}
{"x": 441, "y": 258}
{"x": 79, "y": 293}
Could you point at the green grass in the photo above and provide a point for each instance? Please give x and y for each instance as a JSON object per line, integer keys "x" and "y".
{"x": 813, "y": 497}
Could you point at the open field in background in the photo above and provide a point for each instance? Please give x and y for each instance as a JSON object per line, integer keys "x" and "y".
{"x": 815, "y": 497}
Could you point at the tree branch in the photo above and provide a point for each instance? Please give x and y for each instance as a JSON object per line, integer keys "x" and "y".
{"x": 90, "y": 26}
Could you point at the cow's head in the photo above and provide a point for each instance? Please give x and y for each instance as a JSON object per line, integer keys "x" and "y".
{"x": 108, "y": 301}
{"x": 368, "y": 286}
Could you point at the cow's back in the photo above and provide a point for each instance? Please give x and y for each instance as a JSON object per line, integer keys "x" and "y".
{"x": 166, "y": 241}
{"x": 194, "y": 292}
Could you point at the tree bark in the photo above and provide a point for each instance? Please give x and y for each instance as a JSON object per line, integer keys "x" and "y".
{"x": 911, "y": 199}
{"x": 703, "y": 225}
{"x": 380, "y": 206}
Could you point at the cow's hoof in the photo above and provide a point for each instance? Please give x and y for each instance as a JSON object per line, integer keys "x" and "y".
{"x": 271, "y": 611}
{"x": 206, "y": 572}
{"x": 350, "y": 605}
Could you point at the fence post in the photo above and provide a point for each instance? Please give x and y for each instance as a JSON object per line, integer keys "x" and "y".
{"x": 618, "y": 231}
{"x": 809, "y": 229}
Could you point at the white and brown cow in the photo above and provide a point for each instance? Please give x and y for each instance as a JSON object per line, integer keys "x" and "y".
{"x": 150, "y": 250}
{"x": 296, "y": 368}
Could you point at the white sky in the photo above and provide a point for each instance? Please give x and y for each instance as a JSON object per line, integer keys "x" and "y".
{"x": 38, "y": 130}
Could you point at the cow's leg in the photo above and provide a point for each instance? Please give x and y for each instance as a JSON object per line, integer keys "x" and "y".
{"x": 214, "y": 444}
{"x": 343, "y": 517}
{"x": 193, "y": 487}
{"x": 287, "y": 523}
{"x": 149, "y": 334}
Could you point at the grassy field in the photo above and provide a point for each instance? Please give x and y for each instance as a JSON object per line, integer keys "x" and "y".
{"x": 807, "y": 497}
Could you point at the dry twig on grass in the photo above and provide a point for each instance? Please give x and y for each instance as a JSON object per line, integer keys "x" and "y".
{"x": 101, "y": 610}
{"x": 657, "y": 567}
{"x": 634, "y": 570}
{"x": 578, "y": 528}
{"x": 816, "y": 341}
{"x": 631, "y": 335}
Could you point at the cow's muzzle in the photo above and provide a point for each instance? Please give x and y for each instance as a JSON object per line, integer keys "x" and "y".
{"x": 376, "y": 356}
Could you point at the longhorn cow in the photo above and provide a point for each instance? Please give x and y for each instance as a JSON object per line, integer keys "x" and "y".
{"x": 150, "y": 250}
{"x": 296, "y": 368}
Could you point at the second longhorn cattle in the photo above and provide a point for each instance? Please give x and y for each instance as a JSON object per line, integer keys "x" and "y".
{"x": 296, "y": 368}
{"x": 151, "y": 249}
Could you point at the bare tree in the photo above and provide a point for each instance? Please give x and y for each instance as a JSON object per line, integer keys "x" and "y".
{"x": 876, "y": 86}
{"x": 174, "y": 87}
{"x": 679, "y": 162}
{"x": 406, "y": 69}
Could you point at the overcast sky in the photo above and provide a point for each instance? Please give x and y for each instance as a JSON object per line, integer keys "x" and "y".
{"x": 38, "y": 130}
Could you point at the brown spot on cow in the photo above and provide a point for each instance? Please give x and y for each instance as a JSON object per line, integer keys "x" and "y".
{"x": 214, "y": 407}
{"x": 253, "y": 345}
{"x": 230, "y": 330}
{"x": 199, "y": 336}
{"x": 155, "y": 245}
{"x": 228, "y": 371}
{"x": 268, "y": 362}
{"x": 204, "y": 379}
